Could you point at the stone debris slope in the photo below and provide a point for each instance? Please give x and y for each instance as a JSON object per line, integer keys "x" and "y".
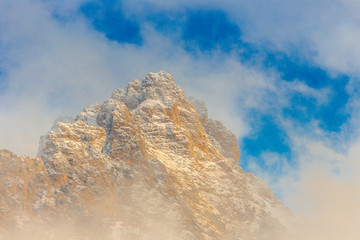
{"x": 148, "y": 163}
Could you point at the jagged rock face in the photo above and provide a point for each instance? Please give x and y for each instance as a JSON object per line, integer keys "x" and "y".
{"x": 145, "y": 164}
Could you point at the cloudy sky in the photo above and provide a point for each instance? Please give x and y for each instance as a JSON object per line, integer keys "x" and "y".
{"x": 282, "y": 74}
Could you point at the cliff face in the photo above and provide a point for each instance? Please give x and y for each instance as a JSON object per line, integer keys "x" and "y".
{"x": 145, "y": 164}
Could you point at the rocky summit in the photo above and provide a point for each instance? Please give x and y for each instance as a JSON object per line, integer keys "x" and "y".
{"x": 147, "y": 163}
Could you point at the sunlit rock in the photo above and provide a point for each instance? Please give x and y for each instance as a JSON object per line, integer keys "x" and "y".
{"x": 145, "y": 164}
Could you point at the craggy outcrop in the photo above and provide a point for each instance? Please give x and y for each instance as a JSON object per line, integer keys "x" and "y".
{"x": 145, "y": 164}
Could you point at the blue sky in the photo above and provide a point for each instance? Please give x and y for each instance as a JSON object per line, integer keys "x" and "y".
{"x": 207, "y": 30}
{"x": 282, "y": 76}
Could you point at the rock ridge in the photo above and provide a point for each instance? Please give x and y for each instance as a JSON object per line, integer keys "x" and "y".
{"x": 147, "y": 162}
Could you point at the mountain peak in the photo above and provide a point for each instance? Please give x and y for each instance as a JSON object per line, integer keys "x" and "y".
{"x": 159, "y": 79}
{"x": 146, "y": 157}
{"x": 155, "y": 87}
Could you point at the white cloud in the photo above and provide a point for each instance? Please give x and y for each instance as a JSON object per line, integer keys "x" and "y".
{"x": 325, "y": 32}
{"x": 328, "y": 195}
{"x": 323, "y": 190}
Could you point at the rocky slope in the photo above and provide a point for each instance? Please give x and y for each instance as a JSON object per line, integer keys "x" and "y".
{"x": 145, "y": 164}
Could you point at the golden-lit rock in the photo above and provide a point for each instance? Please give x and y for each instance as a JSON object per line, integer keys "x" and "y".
{"x": 145, "y": 164}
